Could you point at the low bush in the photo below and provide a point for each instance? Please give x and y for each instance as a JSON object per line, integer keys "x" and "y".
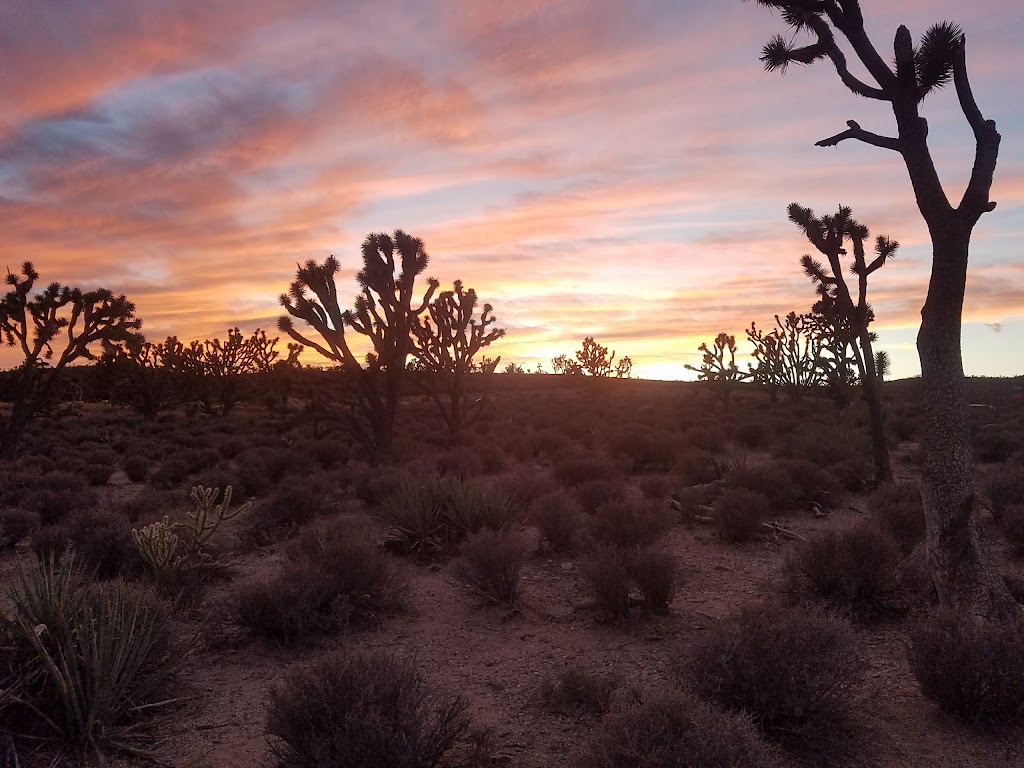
{"x": 1004, "y": 488}
{"x": 576, "y": 470}
{"x": 752, "y": 434}
{"x": 610, "y": 584}
{"x": 57, "y": 495}
{"x": 621, "y": 580}
{"x": 330, "y": 583}
{"x": 362, "y": 711}
{"x": 994, "y": 446}
{"x": 136, "y": 468}
{"x": 557, "y": 516}
{"x": 816, "y": 486}
{"x": 697, "y": 467}
{"x": 170, "y": 473}
{"x": 897, "y": 509}
{"x": 676, "y": 730}
{"x": 489, "y": 566}
{"x": 972, "y": 669}
{"x": 285, "y": 511}
{"x": 654, "y": 572}
{"x": 96, "y": 660}
{"x": 646, "y": 451}
{"x": 1013, "y": 529}
{"x": 627, "y": 524}
{"x": 98, "y": 474}
{"x": 575, "y": 690}
{"x": 855, "y": 570}
{"x": 656, "y": 487}
{"x": 794, "y": 673}
{"x": 772, "y": 481}
{"x": 708, "y": 436}
{"x": 739, "y": 514}
{"x": 17, "y": 524}
{"x": 594, "y": 493}
{"x": 103, "y": 543}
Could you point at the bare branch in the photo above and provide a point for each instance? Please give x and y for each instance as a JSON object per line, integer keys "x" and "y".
{"x": 986, "y": 139}
{"x": 856, "y": 132}
{"x": 835, "y": 53}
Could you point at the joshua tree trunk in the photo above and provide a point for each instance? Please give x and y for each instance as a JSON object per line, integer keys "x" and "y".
{"x": 873, "y": 396}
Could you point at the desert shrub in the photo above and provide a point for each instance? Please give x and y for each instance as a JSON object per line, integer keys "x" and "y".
{"x": 1004, "y": 488}
{"x": 492, "y": 458}
{"x": 609, "y": 584}
{"x": 331, "y": 582}
{"x": 525, "y": 486}
{"x": 676, "y": 730}
{"x": 325, "y": 453}
{"x": 696, "y": 467}
{"x": 645, "y": 450}
{"x": 627, "y": 524}
{"x": 58, "y": 494}
{"x": 415, "y": 515}
{"x": 97, "y": 474}
{"x": 17, "y": 524}
{"x": 656, "y": 487}
{"x": 815, "y": 485}
{"x": 96, "y": 659}
{"x": 576, "y": 470}
{"x": 772, "y": 481}
{"x": 461, "y": 461}
{"x": 471, "y": 507}
{"x": 822, "y": 445}
{"x": 230, "y": 446}
{"x": 261, "y": 469}
{"x": 654, "y": 573}
{"x": 170, "y": 473}
{"x": 575, "y": 690}
{"x": 751, "y": 434}
{"x": 739, "y": 513}
{"x": 902, "y": 428}
{"x": 285, "y": 511}
{"x": 971, "y": 668}
{"x": 489, "y": 566}
{"x": 373, "y": 485}
{"x": 201, "y": 459}
{"x": 103, "y": 543}
{"x": 542, "y": 442}
{"x": 708, "y": 436}
{"x": 594, "y": 493}
{"x": 897, "y": 509}
{"x": 855, "y": 569}
{"x": 362, "y": 711}
{"x": 557, "y": 516}
{"x": 136, "y": 468}
{"x": 1013, "y": 528}
{"x": 993, "y": 446}
{"x": 793, "y": 672}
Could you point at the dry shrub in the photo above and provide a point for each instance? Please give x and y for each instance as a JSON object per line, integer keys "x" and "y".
{"x": 594, "y": 493}
{"x": 331, "y": 582}
{"x": 170, "y": 473}
{"x": 461, "y": 461}
{"x": 58, "y": 494}
{"x": 739, "y": 513}
{"x": 362, "y": 711}
{"x": 575, "y": 690}
{"x": 610, "y": 584}
{"x": 898, "y": 510}
{"x": 576, "y": 470}
{"x": 627, "y": 524}
{"x": 994, "y": 445}
{"x": 752, "y": 434}
{"x": 970, "y": 668}
{"x": 645, "y": 450}
{"x": 557, "y": 516}
{"x": 654, "y": 572}
{"x": 815, "y": 485}
{"x": 1005, "y": 488}
{"x": 614, "y": 575}
{"x": 285, "y": 511}
{"x": 136, "y": 468}
{"x": 1013, "y": 528}
{"x": 676, "y": 730}
{"x": 656, "y": 487}
{"x": 17, "y": 524}
{"x": 794, "y": 673}
{"x": 855, "y": 570}
{"x": 489, "y": 566}
{"x": 696, "y": 467}
{"x": 772, "y": 481}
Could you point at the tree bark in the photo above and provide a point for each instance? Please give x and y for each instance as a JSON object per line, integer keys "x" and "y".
{"x": 964, "y": 573}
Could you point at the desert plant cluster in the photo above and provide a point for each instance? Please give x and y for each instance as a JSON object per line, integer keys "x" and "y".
{"x": 607, "y": 576}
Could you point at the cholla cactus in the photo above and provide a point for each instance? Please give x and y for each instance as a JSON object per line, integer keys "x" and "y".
{"x": 179, "y": 546}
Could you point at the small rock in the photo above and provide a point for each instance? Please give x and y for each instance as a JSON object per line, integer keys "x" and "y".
{"x": 567, "y": 566}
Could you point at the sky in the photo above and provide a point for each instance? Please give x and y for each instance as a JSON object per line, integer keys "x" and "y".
{"x": 609, "y": 168}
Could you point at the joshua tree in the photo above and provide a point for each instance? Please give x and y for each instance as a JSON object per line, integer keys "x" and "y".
{"x": 962, "y": 568}
{"x": 714, "y": 368}
{"x": 445, "y": 341}
{"x": 566, "y": 365}
{"x": 787, "y": 358}
{"x": 384, "y": 312}
{"x": 829, "y": 234}
{"x": 35, "y": 323}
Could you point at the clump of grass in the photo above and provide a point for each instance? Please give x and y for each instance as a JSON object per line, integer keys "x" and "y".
{"x": 739, "y": 514}
{"x": 628, "y": 524}
{"x": 489, "y": 566}
{"x": 897, "y": 509}
{"x": 794, "y": 673}
{"x": 972, "y": 669}
{"x": 614, "y": 575}
{"x": 576, "y": 470}
{"x": 1005, "y": 488}
{"x": 575, "y": 690}
{"x": 136, "y": 468}
{"x": 676, "y": 730}
{"x": 610, "y": 584}
{"x": 16, "y": 524}
{"x": 654, "y": 573}
{"x": 594, "y": 493}
{"x": 362, "y": 711}
{"x": 331, "y": 582}
{"x": 855, "y": 570}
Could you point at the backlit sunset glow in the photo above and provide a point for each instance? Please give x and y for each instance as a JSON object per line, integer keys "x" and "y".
{"x": 609, "y": 168}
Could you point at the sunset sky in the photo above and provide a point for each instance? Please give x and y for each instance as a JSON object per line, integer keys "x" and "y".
{"x": 614, "y": 168}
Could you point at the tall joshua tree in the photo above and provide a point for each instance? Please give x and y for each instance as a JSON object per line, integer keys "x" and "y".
{"x": 445, "y": 341}
{"x": 962, "y": 568}
{"x": 37, "y": 323}
{"x": 828, "y": 234}
{"x": 385, "y": 312}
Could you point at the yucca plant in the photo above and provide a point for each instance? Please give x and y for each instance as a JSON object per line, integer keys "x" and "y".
{"x": 94, "y": 657}
{"x": 471, "y": 507}
{"x": 414, "y": 513}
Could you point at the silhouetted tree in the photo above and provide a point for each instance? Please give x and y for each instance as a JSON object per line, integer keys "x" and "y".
{"x": 714, "y": 368}
{"x": 514, "y": 368}
{"x": 35, "y": 323}
{"x": 141, "y": 381}
{"x": 829, "y": 235}
{"x": 445, "y": 340}
{"x": 566, "y": 365}
{"x": 385, "y": 313}
{"x": 787, "y": 358}
{"x": 962, "y": 567}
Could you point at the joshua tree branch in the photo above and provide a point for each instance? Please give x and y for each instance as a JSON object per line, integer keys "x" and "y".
{"x": 835, "y": 53}
{"x": 856, "y": 132}
{"x": 986, "y": 139}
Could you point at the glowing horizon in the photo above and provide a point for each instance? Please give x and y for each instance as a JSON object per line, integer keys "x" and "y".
{"x": 591, "y": 167}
